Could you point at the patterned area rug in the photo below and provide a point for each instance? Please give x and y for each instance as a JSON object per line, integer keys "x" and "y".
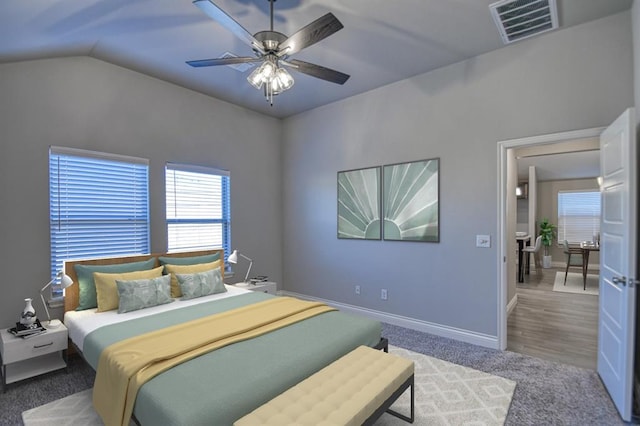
{"x": 575, "y": 283}
{"x": 445, "y": 394}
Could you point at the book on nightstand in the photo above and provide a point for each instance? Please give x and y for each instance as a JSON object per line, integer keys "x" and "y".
{"x": 22, "y": 330}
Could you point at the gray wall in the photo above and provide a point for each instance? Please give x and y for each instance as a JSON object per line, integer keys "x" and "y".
{"x": 89, "y": 104}
{"x": 549, "y": 84}
{"x": 548, "y": 208}
{"x": 635, "y": 16}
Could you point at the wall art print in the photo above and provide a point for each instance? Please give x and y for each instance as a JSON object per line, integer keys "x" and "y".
{"x": 410, "y": 205}
{"x": 359, "y": 204}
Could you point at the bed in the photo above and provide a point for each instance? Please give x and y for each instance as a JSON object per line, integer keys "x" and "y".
{"x": 221, "y": 386}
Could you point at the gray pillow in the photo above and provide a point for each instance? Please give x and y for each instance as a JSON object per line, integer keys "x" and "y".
{"x": 201, "y": 284}
{"x": 192, "y": 260}
{"x": 139, "y": 294}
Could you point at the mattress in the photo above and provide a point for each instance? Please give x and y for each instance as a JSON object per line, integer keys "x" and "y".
{"x": 224, "y": 385}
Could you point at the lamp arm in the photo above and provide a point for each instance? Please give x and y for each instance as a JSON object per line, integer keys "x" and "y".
{"x": 248, "y": 270}
{"x": 43, "y": 301}
{"x": 245, "y": 257}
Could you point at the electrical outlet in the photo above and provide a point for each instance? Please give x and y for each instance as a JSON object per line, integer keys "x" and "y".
{"x": 357, "y": 289}
{"x": 383, "y": 294}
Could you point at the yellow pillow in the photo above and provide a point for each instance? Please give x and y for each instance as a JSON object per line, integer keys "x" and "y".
{"x": 188, "y": 269}
{"x": 107, "y": 289}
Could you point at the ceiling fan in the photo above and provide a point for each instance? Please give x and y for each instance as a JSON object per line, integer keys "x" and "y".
{"x": 273, "y": 50}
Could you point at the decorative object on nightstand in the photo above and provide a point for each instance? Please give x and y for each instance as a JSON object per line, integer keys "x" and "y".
{"x": 28, "y": 315}
{"x": 65, "y": 282}
{"x": 233, "y": 258}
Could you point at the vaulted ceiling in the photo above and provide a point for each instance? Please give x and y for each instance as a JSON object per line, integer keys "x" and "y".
{"x": 382, "y": 41}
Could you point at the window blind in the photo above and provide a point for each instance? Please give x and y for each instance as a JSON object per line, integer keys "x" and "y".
{"x": 99, "y": 206}
{"x": 578, "y": 215}
{"x": 198, "y": 208}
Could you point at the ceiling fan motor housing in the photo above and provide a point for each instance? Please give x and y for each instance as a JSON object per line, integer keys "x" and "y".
{"x": 270, "y": 40}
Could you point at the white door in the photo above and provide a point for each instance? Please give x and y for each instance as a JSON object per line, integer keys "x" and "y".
{"x": 618, "y": 261}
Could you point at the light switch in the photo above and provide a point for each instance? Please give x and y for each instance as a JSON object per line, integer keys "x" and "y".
{"x": 483, "y": 241}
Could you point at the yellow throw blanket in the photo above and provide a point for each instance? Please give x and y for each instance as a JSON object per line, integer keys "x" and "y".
{"x": 125, "y": 366}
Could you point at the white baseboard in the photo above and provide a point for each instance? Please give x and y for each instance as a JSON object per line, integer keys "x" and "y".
{"x": 467, "y": 336}
{"x": 512, "y": 304}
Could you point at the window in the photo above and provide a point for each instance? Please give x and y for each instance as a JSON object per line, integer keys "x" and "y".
{"x": 98, "y": 206}
{"x": 198, "y": 208}
{"x": 578, "y": 215}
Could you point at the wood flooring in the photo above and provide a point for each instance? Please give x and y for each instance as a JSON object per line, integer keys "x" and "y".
{"x": 554, "y": 326}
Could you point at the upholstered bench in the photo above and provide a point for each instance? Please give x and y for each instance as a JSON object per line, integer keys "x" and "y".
{"x": 354, "y": 390}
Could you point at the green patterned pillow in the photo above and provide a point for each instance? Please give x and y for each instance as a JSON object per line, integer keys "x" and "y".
{"x": 87, "y": 286}
{"x": 140, "y": 294}
{"x": 201, "y": 284}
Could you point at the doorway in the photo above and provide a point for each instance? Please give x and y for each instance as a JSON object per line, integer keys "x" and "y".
{"x": 507, "y": 186}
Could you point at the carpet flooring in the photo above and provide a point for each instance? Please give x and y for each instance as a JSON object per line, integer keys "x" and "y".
{"x": 445, "y": 394}
{"x": 575, "y": 283}
{"x": 547, "y": 393}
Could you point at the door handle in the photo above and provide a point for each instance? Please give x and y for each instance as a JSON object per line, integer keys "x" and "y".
{"x": 619, "y": 280}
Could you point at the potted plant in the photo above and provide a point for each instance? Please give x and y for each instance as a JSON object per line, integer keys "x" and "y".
{"x": 548, "y": 233}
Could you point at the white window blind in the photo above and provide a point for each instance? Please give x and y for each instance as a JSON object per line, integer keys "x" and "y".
{"x": 198, "y": 208}
{"x": 99, "y": 206}
{"x": 578, "y": 215}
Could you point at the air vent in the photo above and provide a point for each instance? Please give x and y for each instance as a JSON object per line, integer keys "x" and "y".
{"x": 238, "y": 67}
{"x": 519, "y": 19}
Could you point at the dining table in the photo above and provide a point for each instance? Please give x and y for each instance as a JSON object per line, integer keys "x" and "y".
{"x": 587, "y": 247}
{"x": 522, "y": 241}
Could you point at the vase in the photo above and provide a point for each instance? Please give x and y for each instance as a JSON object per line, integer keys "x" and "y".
{"x": 28, "y": 316}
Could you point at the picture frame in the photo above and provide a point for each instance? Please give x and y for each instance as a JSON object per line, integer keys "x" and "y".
{"x": 359, "y": 204}
{"x": 411, "y": 201}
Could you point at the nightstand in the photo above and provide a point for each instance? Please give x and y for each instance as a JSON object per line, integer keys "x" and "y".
{"x": 23, "y": 358}
{"x": 264, "y": 287}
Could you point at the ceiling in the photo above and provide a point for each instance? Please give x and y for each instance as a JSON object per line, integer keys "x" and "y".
{"x": 382, "y": 41}
{"x": 566, "y": 165}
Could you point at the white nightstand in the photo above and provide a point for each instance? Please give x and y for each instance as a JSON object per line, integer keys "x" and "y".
{"x": 24, "y": 358}
{"x": 264, "y": 287}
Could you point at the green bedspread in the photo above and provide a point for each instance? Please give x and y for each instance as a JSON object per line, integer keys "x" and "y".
{"x": 219, "y": 387}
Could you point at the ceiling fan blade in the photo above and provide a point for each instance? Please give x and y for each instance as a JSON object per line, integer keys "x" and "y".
{"x": 318, "y": 30}
{"x": 219, "y": 15}
{"x": 222, "y": 61}
{"x": 317, "y": 71}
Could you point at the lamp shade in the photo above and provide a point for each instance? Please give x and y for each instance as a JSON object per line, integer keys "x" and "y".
{"x": 65, "y": 281}
{"x": 233, "y": 257}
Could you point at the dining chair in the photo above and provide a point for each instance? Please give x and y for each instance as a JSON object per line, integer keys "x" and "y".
{"x": 535, "y": 249}
{"x": 574, "y": 258}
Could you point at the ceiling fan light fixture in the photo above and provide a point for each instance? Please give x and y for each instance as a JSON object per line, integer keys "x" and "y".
{"x": 284, "y": 79}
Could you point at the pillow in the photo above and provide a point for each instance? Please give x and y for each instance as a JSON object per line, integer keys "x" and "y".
{"x": 87, "y": 288}
{"x": 193, "y": 260}
{"x": 139, "y": 294}
{"x": 187, "y": 269}
{"x": 201, "y": 284}
{"x": 107, "y": 290}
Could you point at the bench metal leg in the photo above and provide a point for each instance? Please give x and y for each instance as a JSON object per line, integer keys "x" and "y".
{"x": 384, "y": 408}
{"x": 402, "y": 416}
{"x": 383, "y": 344}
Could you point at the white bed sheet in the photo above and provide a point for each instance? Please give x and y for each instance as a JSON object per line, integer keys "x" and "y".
{"x": 81, "y": 323}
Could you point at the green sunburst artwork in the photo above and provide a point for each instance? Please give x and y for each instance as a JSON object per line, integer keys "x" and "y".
{"x": 410, "y": 201}
{"x": 359, "y": 204}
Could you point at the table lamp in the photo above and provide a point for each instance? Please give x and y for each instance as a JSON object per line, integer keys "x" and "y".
{"x": 233, "y": 258}
{"x": 65, "y": 282}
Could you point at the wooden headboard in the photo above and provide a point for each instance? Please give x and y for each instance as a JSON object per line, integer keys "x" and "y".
{"x": 72, "y": 293}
